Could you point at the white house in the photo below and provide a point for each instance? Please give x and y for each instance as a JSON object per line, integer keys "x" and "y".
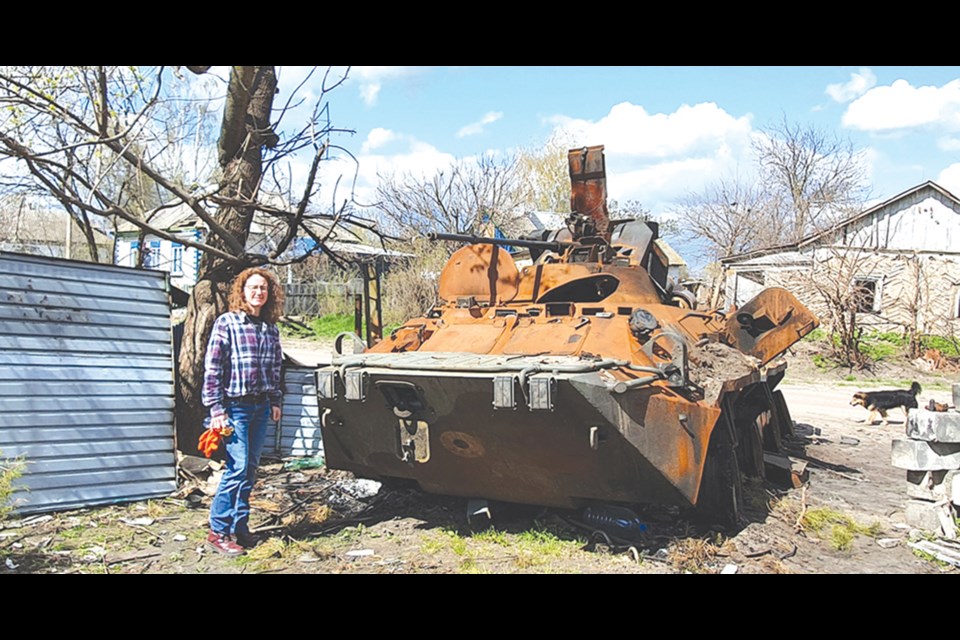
{"x": 161, "y": 254}
{"x": 182, "y": 262}
{"x": 903, "y": 255}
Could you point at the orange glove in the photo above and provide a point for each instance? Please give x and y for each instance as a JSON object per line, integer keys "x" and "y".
{"x": 210, "y": 439}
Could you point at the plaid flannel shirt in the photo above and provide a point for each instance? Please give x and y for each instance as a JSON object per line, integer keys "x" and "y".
{"x": 243, "y": 358}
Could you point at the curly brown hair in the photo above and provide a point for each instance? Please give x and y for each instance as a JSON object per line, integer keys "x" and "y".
{"x": 273, "y": 308}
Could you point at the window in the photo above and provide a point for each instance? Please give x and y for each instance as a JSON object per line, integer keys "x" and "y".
{"x": 866, "y": 295}
{"x": 176, "y": 266}
{"x": 151, "y": 255}
{"x": 134, "y": 249}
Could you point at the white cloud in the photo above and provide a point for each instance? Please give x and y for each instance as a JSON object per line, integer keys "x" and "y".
{"x": 858, "y": 85}
{"x": 413, "y": 157}
{"x": 949, "y": 144}
{"x": 658, "y": 158}
{"x": 628, "y": 129}
{"x": 902, "y": 106}
{"x": 368, "y": 80}
{"x": 474, "y": 128}
{"x": 377, "y": 137}
{"x": 949, "y": 178}
{"x": 369, "y": 92}
{"x": 371, "y": 79}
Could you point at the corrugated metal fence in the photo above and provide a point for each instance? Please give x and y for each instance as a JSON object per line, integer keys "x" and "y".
{"x": 299, "y": 433}
{"x": 86, "y": 382}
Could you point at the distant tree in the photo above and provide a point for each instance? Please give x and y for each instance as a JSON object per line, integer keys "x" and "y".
{"x": 469, "y": 196}
{"x": 543, "y": 175}
{"x": 733, "y": 215}
{"x": 817, "y": 178}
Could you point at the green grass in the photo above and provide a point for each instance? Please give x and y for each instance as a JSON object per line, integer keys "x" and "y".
{"x": 817, "y": 335}
{"x": 843, "y": 529}
{"x": 331, "y": 325}
{"x": 880, "y": 350}
{"x": 328, "y": 327}
{"x": 493, "y": 536}
{"x": 822, "y": 362}
{"x": 527, "y": 549}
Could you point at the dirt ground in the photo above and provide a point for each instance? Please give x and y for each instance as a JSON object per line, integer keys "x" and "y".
{"x": 314, "y": 520}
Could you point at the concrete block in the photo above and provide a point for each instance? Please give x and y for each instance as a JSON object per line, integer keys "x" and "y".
{"x": 934, "y": 426}
{"x": 919, "y": 455}
{"x": 923, "y": 514}
{"x": 932, "y": 485}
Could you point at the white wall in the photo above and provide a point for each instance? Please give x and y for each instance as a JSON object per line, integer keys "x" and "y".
{"x": 182, "y": 270}
{"x": 923, "y": 223}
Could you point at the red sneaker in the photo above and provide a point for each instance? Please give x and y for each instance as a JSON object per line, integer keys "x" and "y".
{"x": 222, "y": 543}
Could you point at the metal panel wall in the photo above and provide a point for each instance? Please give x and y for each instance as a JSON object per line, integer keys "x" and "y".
{"x": 299, "y": 433}
{"x": 86, "y": 382}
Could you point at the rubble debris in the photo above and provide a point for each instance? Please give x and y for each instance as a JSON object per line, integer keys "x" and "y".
{"x": 117, "y": 558}
{"x": 308, "y": 558}
{"x": 316, "y": 462}
{"x": 786, "y": 471}
{"x": 943, "y": 550}
{"x": 713, "y": 363}
{"x": 195, "y": 466}
{"x": 361, "y": 488}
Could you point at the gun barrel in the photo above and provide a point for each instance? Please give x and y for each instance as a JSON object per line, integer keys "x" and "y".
{"x": 502, "y": 242}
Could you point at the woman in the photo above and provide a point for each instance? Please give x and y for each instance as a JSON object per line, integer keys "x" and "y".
{"x": 241, "y": 387}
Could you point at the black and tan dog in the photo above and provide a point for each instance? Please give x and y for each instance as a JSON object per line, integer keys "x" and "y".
{"x": 882, "y": 401}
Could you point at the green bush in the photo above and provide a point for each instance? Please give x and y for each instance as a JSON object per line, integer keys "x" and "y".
{"x": 10, "y": 470}
{"x": 946, "y": 346}
{"x": 880, "y": 349}
{"x": 882, "y": 345}
{"x": 897, "y": 339}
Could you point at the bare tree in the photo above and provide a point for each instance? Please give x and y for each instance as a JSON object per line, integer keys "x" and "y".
{"x": 729, "y": 217}
{"x": 94, "y": 139}
{"x": 818, "y": 179}
{"x": 466, "y": 197}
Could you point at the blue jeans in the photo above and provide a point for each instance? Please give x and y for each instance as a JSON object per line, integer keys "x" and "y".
{"x": 230, "y": 509}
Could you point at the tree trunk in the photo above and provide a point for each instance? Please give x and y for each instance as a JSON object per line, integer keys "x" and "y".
{"x": 245, "y": 131}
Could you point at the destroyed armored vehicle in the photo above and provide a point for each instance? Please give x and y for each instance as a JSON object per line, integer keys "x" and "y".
{"x": 586, "y": 378}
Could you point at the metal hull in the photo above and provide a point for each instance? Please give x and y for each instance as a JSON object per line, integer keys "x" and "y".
{"x": 580, "y": 442}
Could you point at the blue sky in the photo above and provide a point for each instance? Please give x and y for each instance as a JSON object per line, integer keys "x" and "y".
{"x": 668, "y": 131}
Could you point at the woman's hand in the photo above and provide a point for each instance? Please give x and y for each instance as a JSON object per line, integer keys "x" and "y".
{"x": 275, "y": 413}
{"x": 218, "y": 422}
